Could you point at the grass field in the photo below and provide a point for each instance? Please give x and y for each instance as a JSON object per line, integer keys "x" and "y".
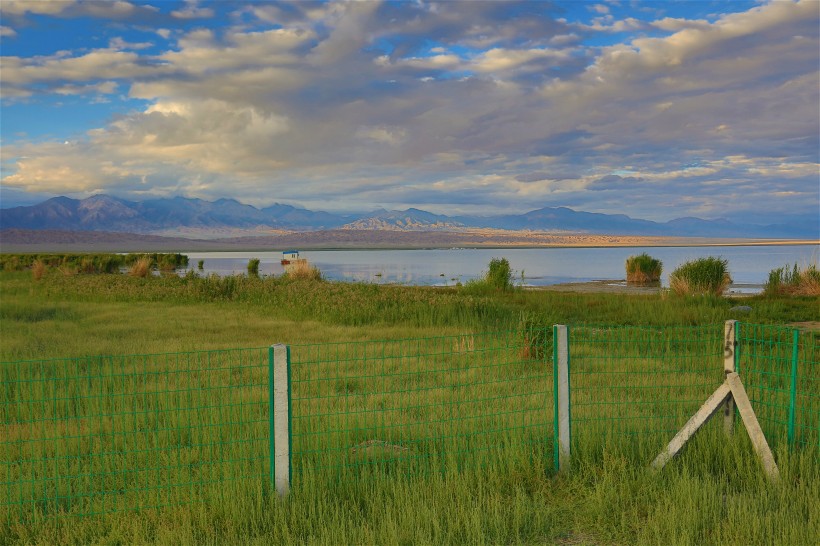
{"x": 714, "y": 493}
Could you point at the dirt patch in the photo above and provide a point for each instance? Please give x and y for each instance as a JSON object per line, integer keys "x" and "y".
{"x": 807, "y": 326}
{"x": 604, "y": 286}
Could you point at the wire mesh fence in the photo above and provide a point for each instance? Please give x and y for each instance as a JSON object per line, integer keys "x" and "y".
{"x": 120, "y": 433}
{"x": 780, "y": 368}
{"x": 636, "y": 380}
{"x": 409, "y": 403}
{"x": 117, "y": 433}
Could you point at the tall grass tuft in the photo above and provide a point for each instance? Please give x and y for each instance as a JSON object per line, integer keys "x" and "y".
{"x": 794, "y": 281}
{"x": 643, "y": 269}
{"x": 253, "y": 267}
{"x": 141, "y": 267}
{"x": 498, "y": 277}
{"x": 302, "y": 270}
{"x": 38, "y": 269}
{"x": 704, "y": 276}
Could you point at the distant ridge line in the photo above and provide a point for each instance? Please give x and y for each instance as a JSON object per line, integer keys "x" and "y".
{"x": 229, "y": 218}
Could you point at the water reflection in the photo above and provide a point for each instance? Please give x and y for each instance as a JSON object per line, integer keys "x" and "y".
{"x": 748, "y": 265}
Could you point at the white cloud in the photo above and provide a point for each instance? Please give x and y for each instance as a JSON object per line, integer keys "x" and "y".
{"x": 193, "y": 11}
{"x": 119, "y": 43}
{"x": 499, "y": 59}
{"x": 109, "y": 9}
{"x": 104, "y": 88}
{"x": 44, "y": 7}
{"x": 7, "y": 32}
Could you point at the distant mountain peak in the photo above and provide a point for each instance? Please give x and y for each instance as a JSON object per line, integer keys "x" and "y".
{"x": 162, "y": 215}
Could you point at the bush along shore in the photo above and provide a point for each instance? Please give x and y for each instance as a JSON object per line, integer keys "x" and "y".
{"x": 89, "y": 263}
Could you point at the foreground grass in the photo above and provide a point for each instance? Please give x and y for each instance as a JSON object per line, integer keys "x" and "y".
{"x": 714, "y": 493}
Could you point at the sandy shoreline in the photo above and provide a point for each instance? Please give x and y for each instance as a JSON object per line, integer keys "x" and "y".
{"x": 17, "y": 240}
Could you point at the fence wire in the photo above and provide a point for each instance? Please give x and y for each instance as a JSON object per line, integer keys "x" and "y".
{"x": 116, "y": 433}
{"x": 628, "y": 380}
{"x": 780, "y": 369}
{"x": 459, "y": 399}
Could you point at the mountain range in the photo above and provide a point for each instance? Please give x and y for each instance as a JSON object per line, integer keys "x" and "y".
{"x": 179, "y": 215}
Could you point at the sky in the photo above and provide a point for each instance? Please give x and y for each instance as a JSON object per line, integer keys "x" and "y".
{"x": 658, "y": 110}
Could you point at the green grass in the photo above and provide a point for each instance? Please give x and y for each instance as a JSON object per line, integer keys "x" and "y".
{"x": 371, "y": 418}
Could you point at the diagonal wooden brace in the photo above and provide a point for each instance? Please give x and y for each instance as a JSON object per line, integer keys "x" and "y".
{"x": 731, "y": 389}
{"x": 707, "y": 410}
{"x": 744, "y": 407}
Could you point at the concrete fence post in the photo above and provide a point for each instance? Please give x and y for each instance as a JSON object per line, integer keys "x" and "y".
{"x": 562, "y": 395}
{"x": 280, "y": 437}
{"x": 729, "y": 354}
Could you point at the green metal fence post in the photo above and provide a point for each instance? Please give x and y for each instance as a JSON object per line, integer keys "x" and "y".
{"x": 737, "y": 347}
{"x": 793, "y": 388}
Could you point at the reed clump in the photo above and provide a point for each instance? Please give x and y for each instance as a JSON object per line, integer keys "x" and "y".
{"x": 702, "y": 277}
{"x": 302, "y": 270}
{"x": 253, "y": 267}
{"x": 643, "y": 269}
{"x": 141, "y": 267}
{"x": 38, "y": 269}
{"x": 497, "y": 278}
{"x": 91, "y": 263}
{"x": 794, "y": 281}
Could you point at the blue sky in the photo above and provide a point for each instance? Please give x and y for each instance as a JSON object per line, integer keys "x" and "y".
{"x": 657, "y": 110}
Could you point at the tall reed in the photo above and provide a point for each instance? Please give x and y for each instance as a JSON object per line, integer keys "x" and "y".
{"x": 794, "y": 281}
{"x": 704, "y": 276}
{"x": 302, "y": 270}
{"x": 253, "y": 267}
{"x": 643, "y": 269}
{"x": 38, "y": 269}
{"x": 141, "y": 268}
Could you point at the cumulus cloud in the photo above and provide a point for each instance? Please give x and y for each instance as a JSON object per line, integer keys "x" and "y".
{"x": 459, "y": 104}
{"x": 111, "y": 9}
{"x": 192, "y": 10}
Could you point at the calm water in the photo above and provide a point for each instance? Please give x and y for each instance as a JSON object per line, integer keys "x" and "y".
{"x": 538, "y": 266}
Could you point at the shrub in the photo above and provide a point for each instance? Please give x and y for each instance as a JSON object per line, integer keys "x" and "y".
{"x": 794, "y": 281}
{"x": 643, "y": 269}
{"x": 499, "y": 275}
{"x": 304, "y": 271}
{"x": 200, "y": 265}
{"x": 253, "y": 267}
{"x": 38, "y": 269}
{"x": 141, "y": 268}
{"x": 704, "y": 276}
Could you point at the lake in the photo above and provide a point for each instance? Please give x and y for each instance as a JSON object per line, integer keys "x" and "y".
{"x": 748, "y": 265}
